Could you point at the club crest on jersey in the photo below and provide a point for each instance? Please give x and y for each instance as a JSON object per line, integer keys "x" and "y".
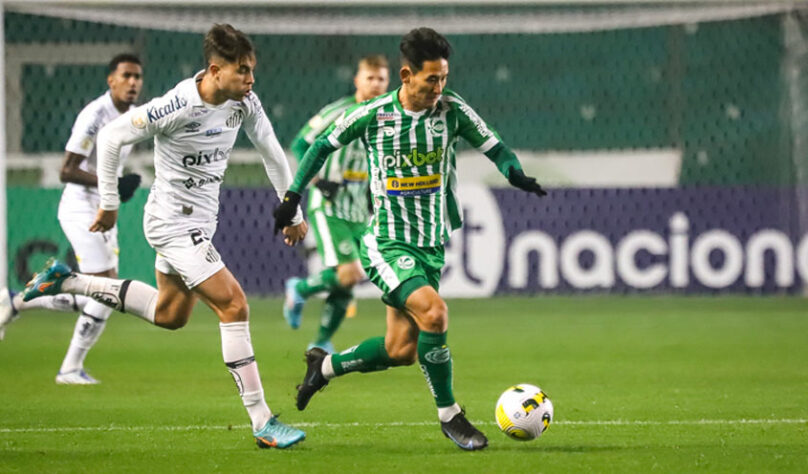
{"x": 382, "y": 116}
{"x": 155, "y": 112}
{"x": 405, "y": 263}
{"x": 235, "y": 119}
{"x": 435, "y": 126}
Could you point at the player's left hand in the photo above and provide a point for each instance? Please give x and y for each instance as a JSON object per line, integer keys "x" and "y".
{"x": 295, "y": 233}
{"x": 104, "y": 220}
{"x": 127, "y": 185}
{"x": 518, "y": 179}
{"x": 286, "y": 211}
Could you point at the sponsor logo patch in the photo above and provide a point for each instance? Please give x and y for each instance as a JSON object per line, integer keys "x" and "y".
{"x": 413, "y": 185}
{"x": 213, "y": 132}
{"x": 138, "y": 121}
{"x": 156, "y": 112}
{"x": 206, "y": 157}
{"x": 382, "y": 116}
{"x": 192, "y": 127}
{"x": 411, "y": 158}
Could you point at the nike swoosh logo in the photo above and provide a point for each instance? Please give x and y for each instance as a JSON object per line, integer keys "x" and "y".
{"x": 44, "y": 286}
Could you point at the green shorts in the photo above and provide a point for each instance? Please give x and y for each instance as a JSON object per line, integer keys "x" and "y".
{"x": 337, "y": 239}
{"x": 398, "y": 268}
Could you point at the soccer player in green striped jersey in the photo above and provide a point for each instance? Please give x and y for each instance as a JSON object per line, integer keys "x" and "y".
{"x": 338, "y": 210}
{"x": 410, "y": 135}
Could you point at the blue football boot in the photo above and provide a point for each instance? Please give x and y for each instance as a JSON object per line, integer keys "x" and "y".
{"x": 278, "y": 435}
{"x": 48, "y": 281}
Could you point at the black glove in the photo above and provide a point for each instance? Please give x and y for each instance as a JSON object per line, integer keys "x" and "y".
{"x": 286, "y": 211}
{"x": 518, "y": 179}
{"x": 127, "y": 184}
{"x": 328, "y": 188}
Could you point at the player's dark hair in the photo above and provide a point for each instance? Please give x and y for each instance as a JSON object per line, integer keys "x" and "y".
{"x": 375, "y": 61}
{"x": 423, "y": 44}
{"x": 228, "y": 43}
{"x": 122, "y": 58}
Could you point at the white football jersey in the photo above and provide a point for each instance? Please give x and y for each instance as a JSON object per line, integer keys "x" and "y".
{"x": 192, "y": 144}
{"x": 90, "y": 120}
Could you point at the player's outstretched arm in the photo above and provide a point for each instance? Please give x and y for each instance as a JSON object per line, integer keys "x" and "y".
{"x": 313, "y": 160}
{"x": 129, "y": 128}
{"x": 508, "y": 164}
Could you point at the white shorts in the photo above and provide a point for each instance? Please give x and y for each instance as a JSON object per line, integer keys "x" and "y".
{"x": 183, "y": 249}
{"x": 96, "y": 252}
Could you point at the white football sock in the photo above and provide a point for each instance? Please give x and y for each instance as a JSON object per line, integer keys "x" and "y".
{"x": 63, "y": 302}
{"x": 239, "y": 358}
{"x": 327, "y": 369}
{"x": 89, "y": 327}
{"x": 126, "y": 296}
{"x": 445, "y": 414}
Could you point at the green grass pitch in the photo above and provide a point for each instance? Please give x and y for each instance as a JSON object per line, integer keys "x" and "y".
{"x": 639, "y": 384}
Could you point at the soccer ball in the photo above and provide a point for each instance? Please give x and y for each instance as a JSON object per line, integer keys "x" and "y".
{"x": 523, "y": 412}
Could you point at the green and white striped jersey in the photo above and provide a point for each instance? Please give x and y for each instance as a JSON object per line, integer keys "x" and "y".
{"x": 411, "y": 162}
{"x": 347, "y": 166}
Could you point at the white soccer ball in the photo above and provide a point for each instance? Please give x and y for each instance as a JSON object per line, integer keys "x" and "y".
{"x": 524, "y": 412}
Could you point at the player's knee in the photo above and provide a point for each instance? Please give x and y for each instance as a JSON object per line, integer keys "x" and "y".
{"x": 237, "y": 309}
{"x": 436, "y": 317}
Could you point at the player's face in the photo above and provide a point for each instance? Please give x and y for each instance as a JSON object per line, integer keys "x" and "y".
{"x": 234, "y": 80}
{"x": 425, "y": 87}
{"x": 371, "y": 82}
{"x": 125, "y": 83}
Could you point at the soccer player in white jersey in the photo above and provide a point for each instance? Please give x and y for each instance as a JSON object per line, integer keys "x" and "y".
{"x": 410, "y": 135}
{"x": 194, "y": 127}
{"x": 96, "y": 253}
{"x": 337, "y": 211}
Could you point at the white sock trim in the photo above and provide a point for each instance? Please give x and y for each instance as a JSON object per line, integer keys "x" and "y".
{"x": 327, "y": 369}
{"x": 445, "y": 414}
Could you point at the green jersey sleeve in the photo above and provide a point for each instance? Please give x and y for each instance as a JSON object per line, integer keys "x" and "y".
{"x": 350, "y": 126}
{"x": 318, "y": 124}
{"x": 470, "y": 126}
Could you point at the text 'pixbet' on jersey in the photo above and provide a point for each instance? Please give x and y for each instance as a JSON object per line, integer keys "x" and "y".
{"x": 205, "y": 157}
{"x": 155, "y": 113}
{"x": 412, "y": 158}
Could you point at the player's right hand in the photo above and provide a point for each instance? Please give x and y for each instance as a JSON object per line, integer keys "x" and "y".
{"x": 286, "y": 211}
{"x": 295, "y": 233}
{"x": 104, "y": 220}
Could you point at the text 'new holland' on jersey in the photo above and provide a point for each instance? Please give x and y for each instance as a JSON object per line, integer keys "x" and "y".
{"x": 192, "y": 144}
{"x": 347, "y": 166}
{"x": 411, "y": 162}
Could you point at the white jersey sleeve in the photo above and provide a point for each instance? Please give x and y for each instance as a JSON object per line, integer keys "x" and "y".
{"x": 85, "y": 130}
{"x": 136, "y": 125}
{"x": 260, "y": 132}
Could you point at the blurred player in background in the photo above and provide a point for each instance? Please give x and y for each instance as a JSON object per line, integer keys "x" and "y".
{"x": 410, "y": 134}
{"x": 338, "y": 209}
{"x": 96, "y": 253}
{"x": 194, "y": 127}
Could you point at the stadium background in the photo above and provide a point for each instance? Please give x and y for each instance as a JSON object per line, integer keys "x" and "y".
{"x": 671, "y": 135}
